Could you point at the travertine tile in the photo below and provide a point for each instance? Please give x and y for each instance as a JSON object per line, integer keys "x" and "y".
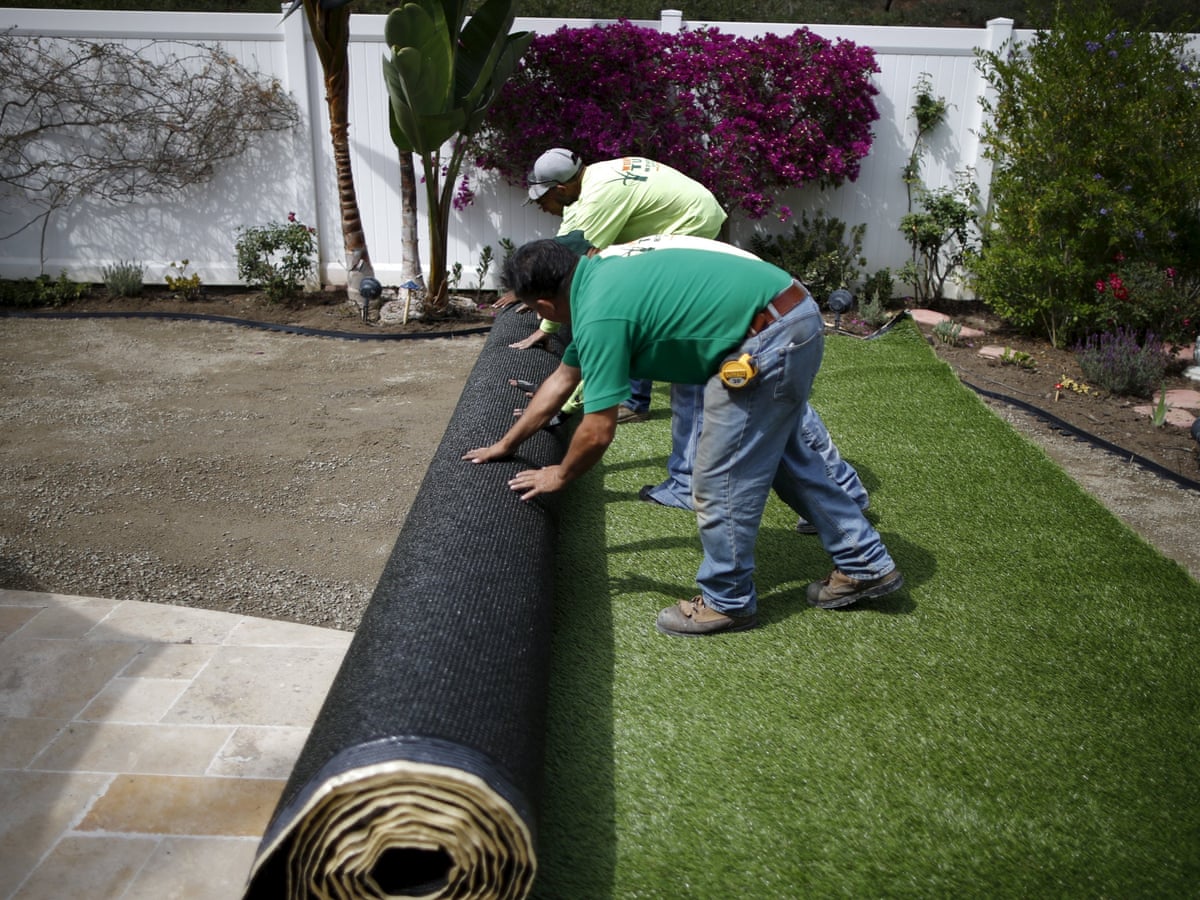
{"x": 135, "y": 700}
{"x": 259, "y": 686}
{"x": 269, "y": 632}
{"x": 55, "y": 679}
{"x": 88, "y": 866}
{"x": 171, "y": 804}
{"x": 133, "y": 620}
{"x": 35, "y": 598}
{"x": 254, "y": 752}
{"x": 37, "y": 807}
{"x": 116, "y": 748}
{"x": 195, "y": 869}
{"x": 23, "y": 739}
{"x": 13, "y": 618}
{"x": 22, "y": 598}
{"x": 159, "y": 660}
{"x": 68, "y": 620}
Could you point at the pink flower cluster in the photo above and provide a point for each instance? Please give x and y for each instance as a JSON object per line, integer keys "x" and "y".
{"x": 745, "y": 117}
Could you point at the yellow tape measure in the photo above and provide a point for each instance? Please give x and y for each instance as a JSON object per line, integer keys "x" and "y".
{"x": 737, "y": 373}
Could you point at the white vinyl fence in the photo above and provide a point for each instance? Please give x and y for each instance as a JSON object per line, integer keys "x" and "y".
{"x": 295, "y": 172}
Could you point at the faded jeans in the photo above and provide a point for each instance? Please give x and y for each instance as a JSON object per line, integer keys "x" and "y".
{"x": 754, "y": 440}
{"x": 687, "y": 416}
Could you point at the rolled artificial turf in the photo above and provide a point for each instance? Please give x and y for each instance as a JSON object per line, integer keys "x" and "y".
{"x": 1021, "y": 720}
{"x": 421, "y": 776}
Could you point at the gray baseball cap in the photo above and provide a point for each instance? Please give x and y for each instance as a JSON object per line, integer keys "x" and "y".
{"x": 554, "y": 167}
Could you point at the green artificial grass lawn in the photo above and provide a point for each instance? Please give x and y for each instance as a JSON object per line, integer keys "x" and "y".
{"x": 1021, "y": 720}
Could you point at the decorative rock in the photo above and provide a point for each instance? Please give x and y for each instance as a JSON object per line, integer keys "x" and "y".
{"x": 1180, "y": 418}
{"x": 392, "y": 312}
{"x": 931, "y": 318}
{"x": 928, "y": 316}
{"x": 1188, "y": 399}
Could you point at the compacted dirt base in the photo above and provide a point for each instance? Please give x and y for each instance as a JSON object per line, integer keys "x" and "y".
{"x": 213, "y": 465}
{"x": 268, "y": 474}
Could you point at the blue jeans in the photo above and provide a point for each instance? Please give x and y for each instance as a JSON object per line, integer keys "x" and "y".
{"x": 687, "y": 418}
{"x": 640, "y": 401}
{"x": 754, "y": 440}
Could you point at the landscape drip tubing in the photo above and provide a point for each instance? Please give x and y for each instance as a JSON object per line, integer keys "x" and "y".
{"x": 421, "y": 776}
{"x": 250, "y": 323}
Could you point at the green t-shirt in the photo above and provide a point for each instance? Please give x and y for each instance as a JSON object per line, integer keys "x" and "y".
{"x": 625, "y": 199}
{"x": 671, "y": 315}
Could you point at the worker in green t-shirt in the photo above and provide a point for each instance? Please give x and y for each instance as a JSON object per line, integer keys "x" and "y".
{"x": 753, "y": 339}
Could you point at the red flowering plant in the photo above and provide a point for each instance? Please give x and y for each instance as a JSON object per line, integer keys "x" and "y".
{"x": 745, "y": 117}
{"x": 1144, "y": 296}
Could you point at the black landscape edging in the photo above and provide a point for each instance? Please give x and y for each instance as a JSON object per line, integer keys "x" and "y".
{"x": 1080, "y": 435}
{"x": 250, "y": 323}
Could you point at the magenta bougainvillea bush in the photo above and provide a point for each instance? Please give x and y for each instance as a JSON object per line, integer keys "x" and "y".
{"x": 747, "y": 117}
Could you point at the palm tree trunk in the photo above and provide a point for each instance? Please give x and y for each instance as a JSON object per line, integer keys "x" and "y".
{"x": 330, "y": 29}
{"x": 358, "y": 260}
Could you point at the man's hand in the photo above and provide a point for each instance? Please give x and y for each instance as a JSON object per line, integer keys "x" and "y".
{"x": 505, "y": 300}
{"x": 532, "y": 341}
{"x": 532, "y": 482}
{"x": 487, "y": 454}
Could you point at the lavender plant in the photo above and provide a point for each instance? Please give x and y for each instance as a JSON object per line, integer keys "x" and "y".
{"x": 1117, "y": 362}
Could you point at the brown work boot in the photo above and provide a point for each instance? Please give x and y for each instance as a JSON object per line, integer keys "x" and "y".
{"x": 692, "y": 618}
{"x": 627, "y": 414}
{"x": 842, "y": 590}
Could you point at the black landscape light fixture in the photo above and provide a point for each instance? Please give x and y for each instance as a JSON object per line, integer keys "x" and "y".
{"x": 838, "y": 302}
{"x": 369, "y": 289}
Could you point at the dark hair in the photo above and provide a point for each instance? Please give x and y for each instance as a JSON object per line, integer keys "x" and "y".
{"x": 538, "y": 270}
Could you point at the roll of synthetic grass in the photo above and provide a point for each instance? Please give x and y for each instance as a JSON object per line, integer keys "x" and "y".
{"x": 421, "y": 776}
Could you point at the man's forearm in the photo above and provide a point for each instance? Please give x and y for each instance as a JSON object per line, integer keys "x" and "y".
{"x": 545, "y": 404}
{"x": 589, "y": 442}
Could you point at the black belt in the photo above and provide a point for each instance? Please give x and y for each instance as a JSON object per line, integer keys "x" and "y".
{"x": 782, "y": 304}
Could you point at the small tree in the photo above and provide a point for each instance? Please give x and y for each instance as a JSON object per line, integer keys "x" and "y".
{"x": 1095, "y": 135}
{"x": 111, "y": 122}
{"x": 441, "y": 78}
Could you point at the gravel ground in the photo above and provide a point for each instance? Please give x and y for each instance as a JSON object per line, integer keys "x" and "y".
{"x": 214, "y": 466}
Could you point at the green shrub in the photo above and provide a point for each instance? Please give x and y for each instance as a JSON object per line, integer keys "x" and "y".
{"x": 1118, "y": 363}
{"x": 1095, "y": 136}
{"x": 279, "y": 258}
{"x": 816, "y": 252}
{"x": 124, "y": 278}
{"x": 875, "y": 296}
{"x": 942, "y": 235}
{"x": 28, "y": 293}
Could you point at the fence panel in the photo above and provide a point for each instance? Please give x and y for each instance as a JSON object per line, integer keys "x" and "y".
{"x": 295, "y": 172}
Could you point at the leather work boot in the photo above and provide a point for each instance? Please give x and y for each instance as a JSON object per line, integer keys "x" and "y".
{"x": 842, "y": 590}
{"x": 692, "y": 618}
